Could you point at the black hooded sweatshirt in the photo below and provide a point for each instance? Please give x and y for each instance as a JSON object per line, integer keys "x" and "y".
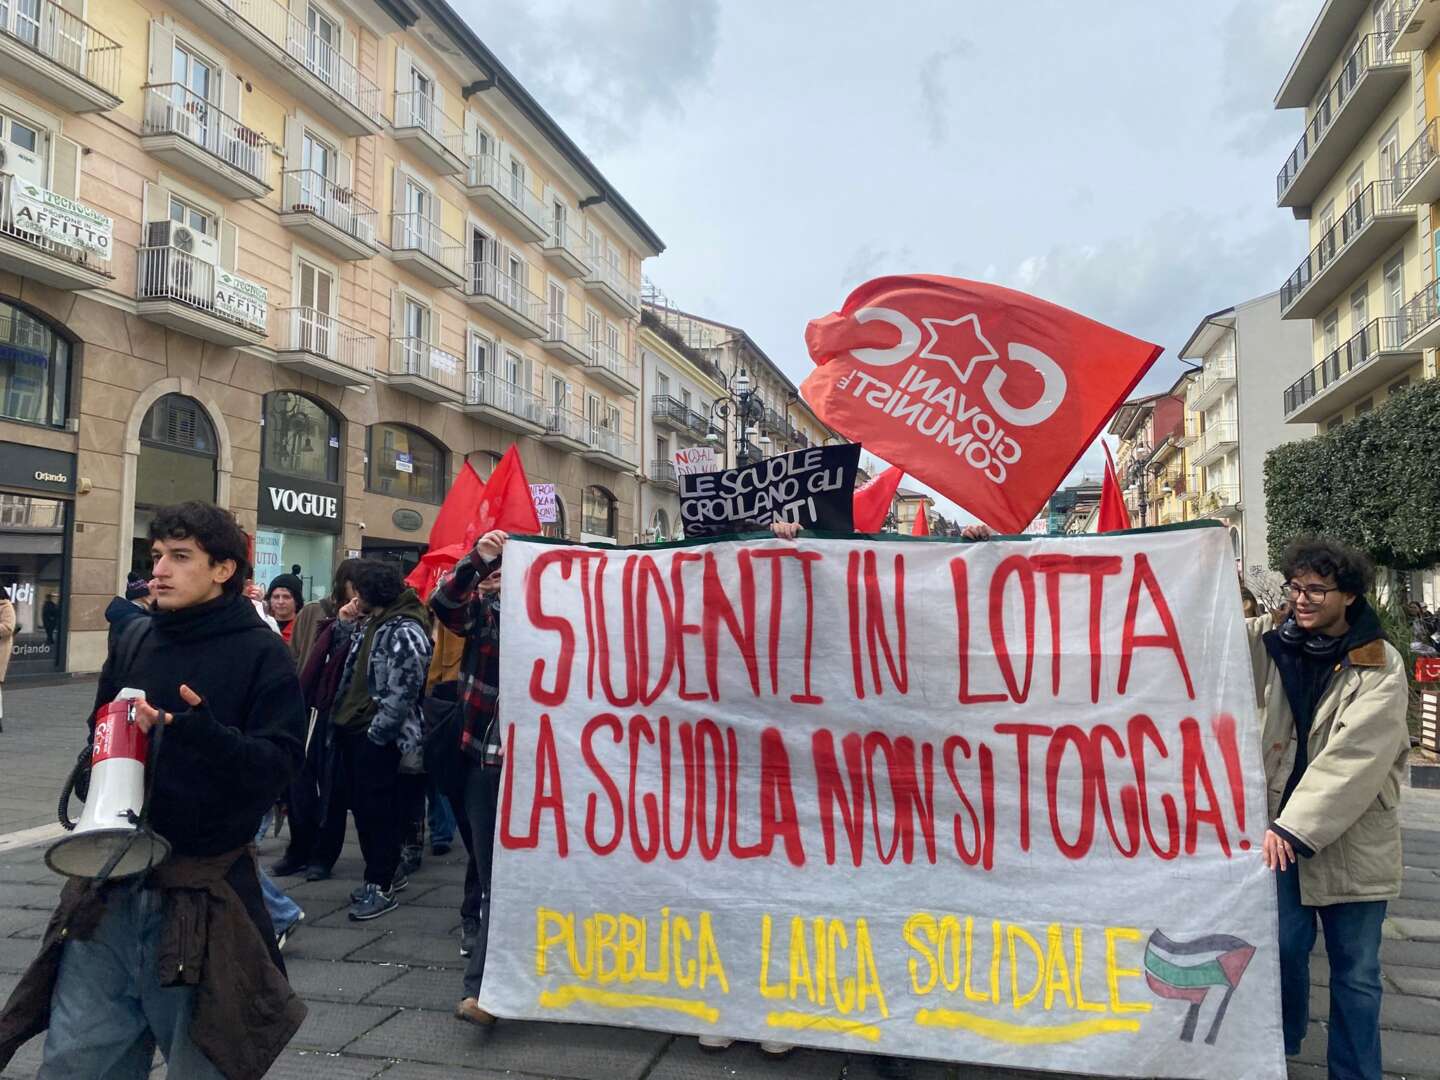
{"x": 223, "y": 763}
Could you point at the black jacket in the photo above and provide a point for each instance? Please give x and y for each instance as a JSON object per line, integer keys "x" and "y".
{"x": 222, "y": 764}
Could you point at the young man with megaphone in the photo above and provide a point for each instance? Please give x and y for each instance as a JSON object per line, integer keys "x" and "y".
{"x": 180, "y": 955}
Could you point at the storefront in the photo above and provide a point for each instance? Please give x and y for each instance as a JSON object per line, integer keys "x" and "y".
{"x": 405, "y": 484}
{"x": 302, "y": 503}
{"x": 37, "y": 490}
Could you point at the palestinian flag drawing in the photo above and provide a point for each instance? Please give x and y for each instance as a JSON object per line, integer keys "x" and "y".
{"x": 1190, "y": 970}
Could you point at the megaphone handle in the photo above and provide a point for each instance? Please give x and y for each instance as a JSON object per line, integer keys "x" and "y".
{"x": 151, "y": 758}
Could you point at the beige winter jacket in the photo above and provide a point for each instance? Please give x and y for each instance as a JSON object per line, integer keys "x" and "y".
{"x": 7, "y": 634}
{"x": 1346, "y": 806}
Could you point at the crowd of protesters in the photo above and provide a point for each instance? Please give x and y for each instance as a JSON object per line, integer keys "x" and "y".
{"x": 373, "y": 704}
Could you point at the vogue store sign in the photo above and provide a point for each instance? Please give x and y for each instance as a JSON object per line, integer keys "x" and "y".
{"x": 294, "y": 503}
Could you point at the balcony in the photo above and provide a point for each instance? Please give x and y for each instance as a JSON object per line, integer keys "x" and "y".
{"x": 1421, "y": 317}
{"x": 662, "y": 475}
{"x": 178, "y": 290}
{"x": 566, "y": 429}
{"x": 1418, "y": 171}
{"x": 319, "y": 345}
{"x": 429, "y": 252}
{"x": 419, "y": 368}
{"x": 60, "y": 55}
{"x": 565, "y": 339}
{"x": 1368, "y": 228}
{"x": 192, "y": 135}
{"x": 505, "y": 195}
{"x": 308, "y": 66}
{"x": 51, "y": 239}
{"x": 423, "y": 126}
{"x": 608, "y": 449}
{"x": 607, "y": 283}
{"x": 490, "y": 290}
{"x": 564, "y": 249}
{"x": 328, "y": 216}
{"x": 1215, "y": 442}
{"x": 1190, "y": 432}
{"x": 1419, "y": 28}
{"x": 1377, "y": 355}
{"x": 1372, "y": 75}
{"x": 504, "y": 404}
{"x": 698, "y": 423}
{"x": 1209, "y": 386}
{"x": 1216, "y": 500}
{"x": 608, "y": 366}
{"x": 669, "y": 413}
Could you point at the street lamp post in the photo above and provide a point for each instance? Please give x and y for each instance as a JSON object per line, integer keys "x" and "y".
{"x": 745, "y": 403}
{"x": 1135, "y": 474}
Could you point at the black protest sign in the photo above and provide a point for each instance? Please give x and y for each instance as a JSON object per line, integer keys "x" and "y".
{"x": 813, "y": 487}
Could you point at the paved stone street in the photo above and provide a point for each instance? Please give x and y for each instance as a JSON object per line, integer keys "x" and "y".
{"x": 380, "y": 994}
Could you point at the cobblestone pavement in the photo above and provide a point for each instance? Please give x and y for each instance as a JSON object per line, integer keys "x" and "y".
{"x": 380, "y": 994}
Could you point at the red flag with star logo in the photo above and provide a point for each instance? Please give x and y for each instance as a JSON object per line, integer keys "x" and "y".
{"x": 986, "y": 394}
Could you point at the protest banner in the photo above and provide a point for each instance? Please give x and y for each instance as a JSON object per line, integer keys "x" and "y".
{"x": 994, "y": 802}
{"x": 986, "y": 394}
{"x": 696, "y": 459}
{"x": 543, "y": 496}
{"x": 814, "y": 487}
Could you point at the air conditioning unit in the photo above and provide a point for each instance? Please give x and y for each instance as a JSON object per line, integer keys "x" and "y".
{"x": 184, "y": 238}
{"x": 21, "y": 163}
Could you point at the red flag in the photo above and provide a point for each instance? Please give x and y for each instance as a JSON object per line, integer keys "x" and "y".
{"x": 872, "y": 501}
{"x": 507, "y": 503}
{"x": 922, "y": 522}
{"x": 988, "y": 395}
{"x": 460, "y": 508}
{"x": 1114, "y": 516}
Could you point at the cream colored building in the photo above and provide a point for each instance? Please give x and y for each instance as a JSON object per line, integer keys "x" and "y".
{"x": 303, "y": 260}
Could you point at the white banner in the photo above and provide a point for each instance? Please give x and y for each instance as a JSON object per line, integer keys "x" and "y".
{"x": 543, "y": 495}
{"x": 992, "y": 802}
{"x": 60, "y": 220}
{"x": 241, "y": 299}
{"x": 696, "y": 459}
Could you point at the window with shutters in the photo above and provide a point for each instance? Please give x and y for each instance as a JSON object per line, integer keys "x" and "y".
{"x": 177, "y": 454}
{"x": 34, "y": 369}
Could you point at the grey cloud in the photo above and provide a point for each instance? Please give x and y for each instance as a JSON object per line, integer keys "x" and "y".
{"x": 1258, "y": 43}
{"x": 935, "y": 90}
{"x": 871, "y": 260}
{"x": 604, "y": 66}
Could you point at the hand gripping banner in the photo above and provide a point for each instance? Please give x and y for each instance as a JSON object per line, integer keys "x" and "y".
{"x": 988, "y": 395}
{"x": 992, "y": 802}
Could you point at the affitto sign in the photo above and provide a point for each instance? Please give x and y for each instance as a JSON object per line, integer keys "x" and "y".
{"x": 293, "y": 503}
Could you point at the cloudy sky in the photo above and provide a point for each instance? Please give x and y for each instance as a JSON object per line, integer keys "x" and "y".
{"x": 1114, "y": 156}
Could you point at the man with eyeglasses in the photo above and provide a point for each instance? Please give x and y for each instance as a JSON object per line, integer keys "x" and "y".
{"x": 1333, "y": 718}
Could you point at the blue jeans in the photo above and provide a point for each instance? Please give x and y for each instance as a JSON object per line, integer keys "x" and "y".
{"x": 1352, "y": 942}
{"x": 442, "y": 817}
{"x": 108, "y": 1011}
{"x": 283, "y": 911}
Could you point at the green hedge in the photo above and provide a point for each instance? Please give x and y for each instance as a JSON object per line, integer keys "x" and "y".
{"x": 1374, "y": 483}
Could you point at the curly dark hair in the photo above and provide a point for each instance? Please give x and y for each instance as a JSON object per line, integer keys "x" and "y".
{"x": 1352, "y": 570}
{"x": 378, "y": 582}
{"x": 216, "y": 532}
{"x": 344, "y": 575}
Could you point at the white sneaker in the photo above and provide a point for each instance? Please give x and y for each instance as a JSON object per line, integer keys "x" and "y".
{"x": 715, "y": 1042}
{"x": 777, "y": 1048}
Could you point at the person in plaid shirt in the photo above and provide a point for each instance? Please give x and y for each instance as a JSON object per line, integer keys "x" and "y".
{"x": 467, "y": 602}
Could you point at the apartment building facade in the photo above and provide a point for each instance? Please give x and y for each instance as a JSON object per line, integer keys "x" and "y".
{"x": 1360, "y": 78}
{"x": 1142, "y": 426}
{"x": 303, "y": 260}
{"x": 1245, "y": 356}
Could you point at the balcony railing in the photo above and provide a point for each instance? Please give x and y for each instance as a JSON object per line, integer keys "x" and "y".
{"x": 663, "y": 406}
{"x": 560, "y": 328}
{"x": 1379, "y": 335}
{"x": 309, "y": 191}
{"x": 418, "y": 358}
{"x": 1420, "y": 156}
{"x": 663, "y": 472}
{"x": 603, "y": 355}
{"x": 89, "y": 236}
{"x": 563, "y": 237}
{"x": 487, "y": 279}
{"x": 487, "y": 171}
{"x": 173, "y": 109}
{"x": 1378, "y": 197}
{"x": 608, "y": 441}
{"x": 1373, "y": 49}
{"x": 604, "y": 272}
{"x": 167, "y": 273}
{"x": 415, "y": 232}
{"x": 304, "y": 329}
{"x": 487, "y": 388}
{"x": 64, "y": 38}
{"x": 1215, "y": 436}
{"x": 566, "y": 424}
{"x": 416, "y": 110}
{"x": 699, "y": 423}
{"x": 320, "y": 57}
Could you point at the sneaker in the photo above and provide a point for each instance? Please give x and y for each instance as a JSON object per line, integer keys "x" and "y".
{"x": 410, "y": 858}
{"x": 373, "y": 904}
{"x": 284, "y": 935}
{"x": 469, "y": 935}
{"x": 470, "y": 1011}
{"x": 440, "y": 849}
{"x": 316, "y": 873}
{"x": 286, "y": 867}
{"x": 715, "y": 1042}
{"x": 777, "y": 1049}
{"x": 397, "y": 884}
